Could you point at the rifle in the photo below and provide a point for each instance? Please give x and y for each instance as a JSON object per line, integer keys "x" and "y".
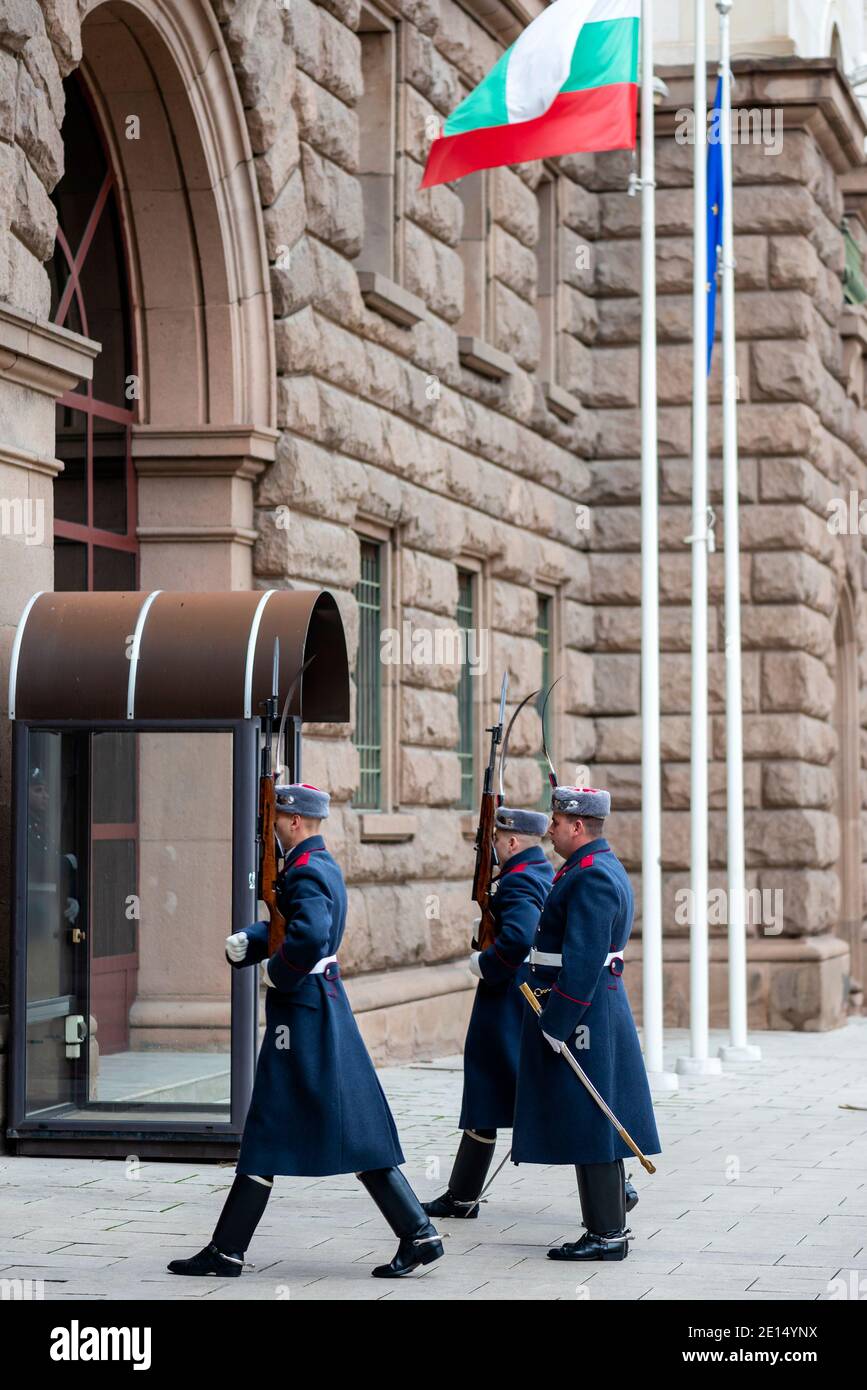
{"x": 485, "y": 856}
{"x": 266, "y": 833}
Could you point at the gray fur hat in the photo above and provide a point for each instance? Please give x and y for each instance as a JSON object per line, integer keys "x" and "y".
{"x": 300, "y": 799}
{"x": 522, "y": 822}
{"x": 581, "y": 801}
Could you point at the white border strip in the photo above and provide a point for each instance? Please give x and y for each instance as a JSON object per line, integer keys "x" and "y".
{"x": 134, "y": 653}
{"x": 16, "y": 650}
{"x": 251, "y": 652}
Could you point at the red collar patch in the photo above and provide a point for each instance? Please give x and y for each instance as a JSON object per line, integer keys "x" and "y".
{"x": 584, "y": 863}
{"x": 303, "y": 858}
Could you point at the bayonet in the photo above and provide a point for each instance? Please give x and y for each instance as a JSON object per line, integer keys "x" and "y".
{"x": 552, "y": 774}
{"x": 504, "y": 755}
{"x": 289, "y": 694}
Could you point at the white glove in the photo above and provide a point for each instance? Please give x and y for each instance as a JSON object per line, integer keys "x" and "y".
{"x": 555, "y": 1042}
{"x": 236, "y": 946}
{"x": 266, "y": 978}
{"x": 473, "y": 965}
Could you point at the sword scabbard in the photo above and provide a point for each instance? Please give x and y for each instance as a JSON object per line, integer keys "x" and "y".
{"x": 528, "y": 994}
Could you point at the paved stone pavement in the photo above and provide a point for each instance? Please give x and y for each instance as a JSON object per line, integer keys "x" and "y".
{"x": 760, "y": 1194}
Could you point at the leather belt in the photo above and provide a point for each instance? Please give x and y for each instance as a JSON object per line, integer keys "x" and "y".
{"x": 555, "y": 958}
{"x": 544, "y": 957}
{"x": 322, "y": 965}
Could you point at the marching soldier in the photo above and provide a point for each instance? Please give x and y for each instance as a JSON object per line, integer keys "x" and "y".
{"x": 494, "y": 1034}
{"x": 317, "y": 1106}
{"x": 576, "y": 965}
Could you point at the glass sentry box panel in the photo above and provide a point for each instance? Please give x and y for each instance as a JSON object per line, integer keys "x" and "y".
{"x": 128, "y": 908}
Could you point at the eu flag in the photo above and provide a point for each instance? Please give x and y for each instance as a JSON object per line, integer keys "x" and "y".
{"x": 714, "y": 215}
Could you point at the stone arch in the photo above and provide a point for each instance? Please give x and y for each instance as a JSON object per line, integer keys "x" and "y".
{"x": 848, "y": 788}
{"x": 161, "y": 82}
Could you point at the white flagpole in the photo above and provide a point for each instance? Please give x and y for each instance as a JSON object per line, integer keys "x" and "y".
{"x": 738, "y": 1048}
{"x": 651, "y": 788}
{"x": 699, "y": 1062}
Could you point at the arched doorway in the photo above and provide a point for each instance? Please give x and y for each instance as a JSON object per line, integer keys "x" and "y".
{"x": 95, "y": 543}
{"x": 848, "y": 800}
{"x": 161, "y": 89}
{"x": 160, "y": 258}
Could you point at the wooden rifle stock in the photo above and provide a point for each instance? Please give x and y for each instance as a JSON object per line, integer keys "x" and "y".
{"x": 268, "y": 869}
{"x": 485, "y": 858}
{"x": 483, "y": 874}
{"x": 268, "y": 815}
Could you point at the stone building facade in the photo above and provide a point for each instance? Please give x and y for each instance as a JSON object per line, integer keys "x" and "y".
{"x": 427, "y": 402}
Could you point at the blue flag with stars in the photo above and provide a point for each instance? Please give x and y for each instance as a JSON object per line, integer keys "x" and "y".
{"x": 714, "y": 216}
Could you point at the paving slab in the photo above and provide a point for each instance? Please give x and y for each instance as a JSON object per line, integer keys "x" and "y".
{"x": 760, "y": 1194}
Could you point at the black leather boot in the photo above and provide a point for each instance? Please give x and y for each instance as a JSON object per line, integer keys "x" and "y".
{"x": 241, "y": 1214}
{"x": 472, "y": 1163}
{"x": 228, "y": 1263}
{"x": 631, "y": 1195}
{"x": 419, "y": 1242}
{"x": 602, "y": 1189}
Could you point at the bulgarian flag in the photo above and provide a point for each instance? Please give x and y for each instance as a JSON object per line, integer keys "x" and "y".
{"x": 568, "y": 85}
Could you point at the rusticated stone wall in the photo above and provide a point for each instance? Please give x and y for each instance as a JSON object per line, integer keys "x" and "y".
{"x": 803, "y": 443}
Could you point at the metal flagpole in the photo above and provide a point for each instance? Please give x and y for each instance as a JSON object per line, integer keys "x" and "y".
{"x": 699, "y": 1062}
{"x": 738, "y": 1048}
{"x": 651, "y": 790}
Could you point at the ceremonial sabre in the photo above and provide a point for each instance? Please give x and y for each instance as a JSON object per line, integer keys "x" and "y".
{"x": 585, "y": 1080}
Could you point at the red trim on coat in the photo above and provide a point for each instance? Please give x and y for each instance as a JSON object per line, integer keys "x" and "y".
{"x": 505, "y": 962}
{"x": 569, "y": 996}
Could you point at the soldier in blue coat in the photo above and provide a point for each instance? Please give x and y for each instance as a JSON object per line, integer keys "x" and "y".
{"x": 494, "y": 1033}
{"x": 576, "y": 968}
{"x": 317, "y": 1106}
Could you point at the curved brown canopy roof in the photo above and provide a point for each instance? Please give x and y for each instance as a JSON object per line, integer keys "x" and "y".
{"x": 100, "y": 656}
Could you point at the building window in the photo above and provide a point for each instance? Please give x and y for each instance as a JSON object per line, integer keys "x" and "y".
{"x": 473, "y": 250}
{"x": 545, "y": 638}
{"x": 95, "y": 543}
{"x": 368, "y": 678}
{"x": 854, "y": 284}
{"x": 546, "y": 277}
{"x": 465, "y": 616}
{"x": 377, "y": 121}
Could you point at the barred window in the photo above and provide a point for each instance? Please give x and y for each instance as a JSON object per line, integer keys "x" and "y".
{"x": 368, "y": 679}
{"x": 465, "y": 616}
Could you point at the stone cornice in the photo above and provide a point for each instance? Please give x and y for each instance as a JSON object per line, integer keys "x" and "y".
{"x": 41, "y": 356}
{"x": 505, "y": 19}
{"x": 209, "y": 451}
{"x": 812, "y": 93}
{"x": 198, "y": 535}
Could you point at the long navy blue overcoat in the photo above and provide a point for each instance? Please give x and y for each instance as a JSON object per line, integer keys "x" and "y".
{"x": 317, "y": 1106}
{"x": 588, "y": 915}
{"x": 494, "y": 1033}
